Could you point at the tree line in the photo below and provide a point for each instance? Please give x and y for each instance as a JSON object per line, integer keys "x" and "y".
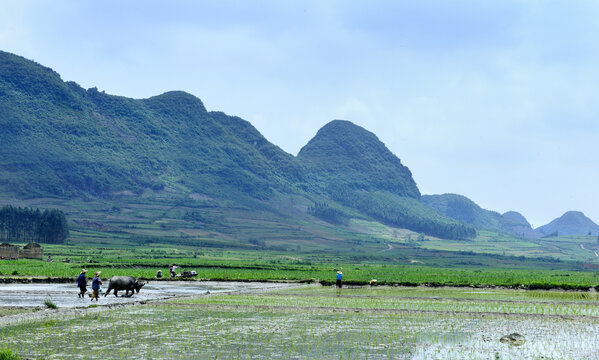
{"x": 27, "y": 224}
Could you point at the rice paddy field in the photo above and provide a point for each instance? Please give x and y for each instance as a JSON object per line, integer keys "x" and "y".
{"x": 320, "y": 322}
{"x": 230, "y": 265}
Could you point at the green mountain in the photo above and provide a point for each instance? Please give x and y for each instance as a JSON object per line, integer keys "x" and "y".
{"x": 516, "y": 223}
{"x": 347, "y": 155}
{"x": 354, "y": 168}
{"x": 62, "y": 140}
{"x": 571, "y": 223}
{"x": 461, "y": 208}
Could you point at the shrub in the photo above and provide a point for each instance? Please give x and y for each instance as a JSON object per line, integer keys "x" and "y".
{"x": 50, "y": 305}
{"x": 6, "y": 354}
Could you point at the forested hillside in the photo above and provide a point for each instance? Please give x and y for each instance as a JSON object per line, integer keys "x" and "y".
{"x": 86, "y": 142}
{"x": 461, "y": 208}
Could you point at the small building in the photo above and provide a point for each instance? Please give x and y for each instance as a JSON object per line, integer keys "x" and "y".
{"x": 9, "y": 251}
{"x": 32, "y": 251}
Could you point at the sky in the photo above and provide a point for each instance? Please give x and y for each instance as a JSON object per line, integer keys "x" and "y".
{"x": 493, "y": 100}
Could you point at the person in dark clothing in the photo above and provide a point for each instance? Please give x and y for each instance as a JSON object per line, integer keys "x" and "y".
{"x": 82, "y": 283}
{"x": 96, "y": 283}
{"x": 339, "y": 276}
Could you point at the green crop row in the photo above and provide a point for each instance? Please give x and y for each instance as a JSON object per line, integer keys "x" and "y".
{"x": 357, "y": 274}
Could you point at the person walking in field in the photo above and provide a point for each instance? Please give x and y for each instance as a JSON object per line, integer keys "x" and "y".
{"x": 339, "y": 277}
{"x": 82, "y": 283}
{"x": 96, "y": 284}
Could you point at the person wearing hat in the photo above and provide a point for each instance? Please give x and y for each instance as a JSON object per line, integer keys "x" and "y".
{"x": 82, "y": 283}
{"x": 339, "y": 276}
{"x": 96, "y": 282}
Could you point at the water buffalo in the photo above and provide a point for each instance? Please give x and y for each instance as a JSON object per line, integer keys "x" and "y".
{"x": 127, "y": 283}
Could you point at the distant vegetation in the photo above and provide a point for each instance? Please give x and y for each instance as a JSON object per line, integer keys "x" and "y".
{"x": 26, "y": 224}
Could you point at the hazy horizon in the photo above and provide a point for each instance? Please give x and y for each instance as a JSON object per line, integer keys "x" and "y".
{"x": 491, "y": 101}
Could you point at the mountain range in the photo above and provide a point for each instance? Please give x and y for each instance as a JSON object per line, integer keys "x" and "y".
{"x": 63, "y": 142}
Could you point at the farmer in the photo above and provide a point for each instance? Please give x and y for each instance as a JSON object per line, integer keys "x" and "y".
{"x": 159, "y": 274}
{"x": 339, "y": 276}
{"x": 173, "y": 272}
{"x": 82, "y": 283}
{"x": 96, "y": 283}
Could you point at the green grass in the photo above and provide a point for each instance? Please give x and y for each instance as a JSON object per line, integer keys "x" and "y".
{"x": 6, "y": 354}
{"x": 50, "y": 305}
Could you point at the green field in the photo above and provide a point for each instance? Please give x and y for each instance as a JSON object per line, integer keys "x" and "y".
{"x": 325, "y": 323}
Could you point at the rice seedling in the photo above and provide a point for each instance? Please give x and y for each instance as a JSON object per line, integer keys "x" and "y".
{"x": 50, "y": 305}
{"x": 317, "y": 323}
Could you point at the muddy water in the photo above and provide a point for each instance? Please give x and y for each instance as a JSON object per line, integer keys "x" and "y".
{"x": 65, "y": 295}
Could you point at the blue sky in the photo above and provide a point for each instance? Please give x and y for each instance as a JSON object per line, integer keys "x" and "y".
{"x": 494, "y": 100}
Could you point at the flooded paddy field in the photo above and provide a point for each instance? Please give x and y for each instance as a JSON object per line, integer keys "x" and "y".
{"x": 65, "y": 295}
{"x": 321, "y": 322}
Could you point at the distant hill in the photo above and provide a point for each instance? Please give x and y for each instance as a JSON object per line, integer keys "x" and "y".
{"x": 461, "y": 208}
{"x": 516, "y": 223}
{"x": 571, "y": 223}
